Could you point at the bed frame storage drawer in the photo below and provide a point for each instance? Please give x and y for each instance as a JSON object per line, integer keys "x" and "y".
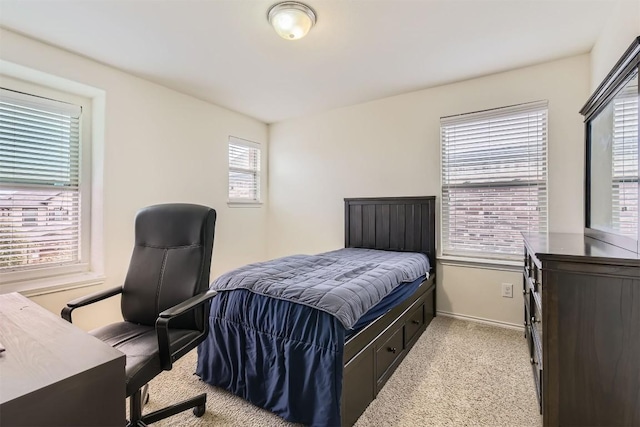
{"x": 413, "y": 324}
{"x": 389, "y": 351}
{"x": 358, "y": 394}
{"x": 372, "y": 366}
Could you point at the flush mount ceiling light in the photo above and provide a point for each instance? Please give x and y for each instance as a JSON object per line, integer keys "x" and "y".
{"x": 291, "y": 20}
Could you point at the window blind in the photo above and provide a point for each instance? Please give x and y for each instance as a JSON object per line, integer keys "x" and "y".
{"x": 244, "y": 170}
{"x": 39, "y": 182}
{"x": 625, "y": 161}
{"x": 494, "y": 180}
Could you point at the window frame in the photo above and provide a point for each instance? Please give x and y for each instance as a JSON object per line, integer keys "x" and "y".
{"x": 233, "y": 140}
{"x": 40, "y": 276}
{"x": 457, "y": 256}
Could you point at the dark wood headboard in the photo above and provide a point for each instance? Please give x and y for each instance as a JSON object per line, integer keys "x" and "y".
{"x": 392, "y": 223}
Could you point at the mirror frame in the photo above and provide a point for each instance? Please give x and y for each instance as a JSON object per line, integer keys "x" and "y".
{"x": 613, "y": 82}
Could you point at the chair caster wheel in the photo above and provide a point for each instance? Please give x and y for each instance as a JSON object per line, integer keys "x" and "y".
{"x": 198, "y": 411}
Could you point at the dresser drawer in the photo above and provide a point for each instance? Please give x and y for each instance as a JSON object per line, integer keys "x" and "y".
{"x": 413, "y": 324}
{"x": 526, "y": 297}
{"x": 533, "y": 276}
{"x": 388, "y": 352}
{"x": 536, "y": 363}
{"x": 529, "y": 337}
{"x": 536, "y": 322}
{"x": 532, "y": 296}
{"x": 536, "y": 279}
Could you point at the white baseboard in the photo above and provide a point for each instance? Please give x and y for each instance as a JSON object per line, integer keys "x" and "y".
{"x": 482, "y": 320}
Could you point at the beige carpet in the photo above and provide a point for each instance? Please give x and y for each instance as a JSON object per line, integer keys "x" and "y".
{"x": 458, "y": 374}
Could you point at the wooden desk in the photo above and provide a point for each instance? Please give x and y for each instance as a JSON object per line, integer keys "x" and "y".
{"x": 53, "y": 373}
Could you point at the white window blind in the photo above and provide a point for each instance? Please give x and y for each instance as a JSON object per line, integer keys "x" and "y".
{"x": 625, "y": 161}
{"x": 244, "y": 171}
{"x": 494, "y": 180}
{"x": 39, "y": 182}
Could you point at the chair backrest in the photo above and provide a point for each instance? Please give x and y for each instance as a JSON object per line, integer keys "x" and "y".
{"x": 171, "y": 262}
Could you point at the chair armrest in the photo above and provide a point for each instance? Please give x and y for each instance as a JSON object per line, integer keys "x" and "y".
{"x": 88, "y": 299}
{"x": 187, "y": 305}
{"x": 162, "y": 328}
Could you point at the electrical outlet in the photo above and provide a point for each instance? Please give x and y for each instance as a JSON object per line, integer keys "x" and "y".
{"x": 507, "y": 290}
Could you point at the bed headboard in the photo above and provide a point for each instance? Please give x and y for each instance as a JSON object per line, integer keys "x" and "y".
{"x": 392, "y": 223}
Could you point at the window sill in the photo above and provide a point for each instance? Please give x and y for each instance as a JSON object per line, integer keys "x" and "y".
{"x": 242, "y": 204}
{"x": 48, "y": 285}
{"x": 487, "y": 263}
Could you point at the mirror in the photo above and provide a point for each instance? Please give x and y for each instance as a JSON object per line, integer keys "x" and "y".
{"x": 612, "y": 188}
{"x": 614, "y": 163}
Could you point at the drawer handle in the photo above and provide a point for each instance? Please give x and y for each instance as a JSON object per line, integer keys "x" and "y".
{"x": 415, "y": 322}
{"x": 531, "y": 360}
{"x": 392, "y": 350}
{"x": 534, "y": 320}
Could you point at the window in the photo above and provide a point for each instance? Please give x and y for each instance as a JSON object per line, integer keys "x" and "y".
{"x": 40, "y": 181}
{"x": 29, "y": 215}
{"x": 244, "y": 171}
{"x": 494, "y": 180}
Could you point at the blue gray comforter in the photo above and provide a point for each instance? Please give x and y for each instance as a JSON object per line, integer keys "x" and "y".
{"x": 344, "y": 283}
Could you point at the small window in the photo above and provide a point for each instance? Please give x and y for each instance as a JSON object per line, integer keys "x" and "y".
{"x": 494, "y": 180}
{"x": 29, "y": 215}
{"x": 244, "y": 171}
{"x": 40, "y": 177}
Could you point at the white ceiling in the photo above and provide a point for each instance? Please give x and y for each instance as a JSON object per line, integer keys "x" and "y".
{"x": 225, "y": 52}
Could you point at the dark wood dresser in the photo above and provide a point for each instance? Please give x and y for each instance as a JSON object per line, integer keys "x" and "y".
{"x": 582, "y": 323}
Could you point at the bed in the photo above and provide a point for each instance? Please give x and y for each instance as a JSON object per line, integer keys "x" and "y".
{"x": 310, "y": 366}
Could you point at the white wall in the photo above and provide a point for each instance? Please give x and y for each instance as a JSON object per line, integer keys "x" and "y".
{"x": 159, "y": 146}
{"x": 391, "y": 147}
{"x": 621, "y": 28}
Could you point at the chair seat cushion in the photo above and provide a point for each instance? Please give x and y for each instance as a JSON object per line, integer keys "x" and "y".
{"x": 140, "y": 344}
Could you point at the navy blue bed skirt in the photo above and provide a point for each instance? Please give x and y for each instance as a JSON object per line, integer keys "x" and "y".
{"x": 281, "y": 356}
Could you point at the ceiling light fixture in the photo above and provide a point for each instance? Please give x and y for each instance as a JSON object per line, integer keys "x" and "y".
{"x": 292, "y": 20}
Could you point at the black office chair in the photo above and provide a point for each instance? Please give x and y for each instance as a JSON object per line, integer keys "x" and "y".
{"x": 165, "y": 301}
